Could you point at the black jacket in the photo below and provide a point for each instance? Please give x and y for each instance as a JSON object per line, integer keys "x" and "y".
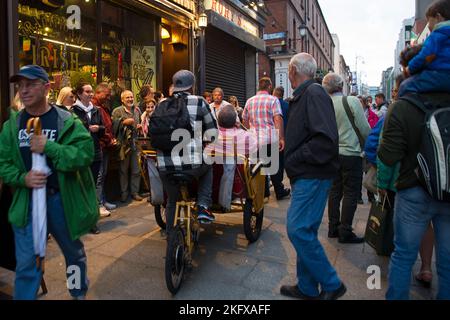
{"x": 96, "y": 119}
{"x": 312, "y": 138}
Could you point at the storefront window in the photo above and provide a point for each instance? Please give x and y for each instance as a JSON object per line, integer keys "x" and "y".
{"x": 67, "y": 51}
{"x": 128, "y": 49}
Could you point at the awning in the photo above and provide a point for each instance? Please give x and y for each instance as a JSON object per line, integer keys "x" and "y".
{"x": 223, "y": 24}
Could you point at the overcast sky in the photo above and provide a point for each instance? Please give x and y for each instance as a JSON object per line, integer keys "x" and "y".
{"x": 367, "y": 28}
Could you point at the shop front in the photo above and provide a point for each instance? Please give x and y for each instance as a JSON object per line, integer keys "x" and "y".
{"x": 125, "y": 43}
{"x": 233, "y": 38}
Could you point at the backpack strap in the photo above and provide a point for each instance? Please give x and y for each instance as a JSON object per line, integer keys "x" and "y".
{"x": 417, "y": 101}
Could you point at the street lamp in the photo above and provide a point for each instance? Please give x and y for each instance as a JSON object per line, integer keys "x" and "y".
{"x": 202, "y": 20}
{"x": 202, "y": 23}
{"x": 303, "y": 31}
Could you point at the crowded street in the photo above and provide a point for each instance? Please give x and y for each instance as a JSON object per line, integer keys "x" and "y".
{"x": 263, "y": 151}
{"x": 126, "y": 261}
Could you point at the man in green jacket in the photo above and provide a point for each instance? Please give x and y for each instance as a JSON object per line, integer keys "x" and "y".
{"x": 72, "y": 208}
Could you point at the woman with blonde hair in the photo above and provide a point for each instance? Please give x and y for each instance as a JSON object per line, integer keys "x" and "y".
{"x": 66, "y": 98}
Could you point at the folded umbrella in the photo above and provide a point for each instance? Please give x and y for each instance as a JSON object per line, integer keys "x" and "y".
{"x": 39, "y": 198}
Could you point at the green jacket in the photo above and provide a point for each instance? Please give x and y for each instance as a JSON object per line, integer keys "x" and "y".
{"x": 71, "y": 155}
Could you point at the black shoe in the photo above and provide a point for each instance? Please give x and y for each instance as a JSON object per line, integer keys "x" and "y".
{"x": 333, "y": 233}
{"x": 285, "y": 193}
{"x": 333, "y": 295}
{"x": 350, "y": 238}
{"x": 360, "y": 201}
{"x": 294, "y": 292}
{"x": 95, "y": 230}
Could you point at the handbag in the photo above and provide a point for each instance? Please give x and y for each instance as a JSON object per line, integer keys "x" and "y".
{"x": 370, "y": 180}
{"x": 380, "y": 228}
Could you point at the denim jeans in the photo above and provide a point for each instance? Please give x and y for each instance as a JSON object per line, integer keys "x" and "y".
{"x": 304, "y": 217}
{"x": 204, "y": 194}
{"x": 414, "y": 209}
{"x": 102, "y": 177}
{"x": 28, "y": 276}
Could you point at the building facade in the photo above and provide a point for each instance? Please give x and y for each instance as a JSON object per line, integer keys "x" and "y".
{"x": 233, "y": 39}
{"x": 130, "y": 43}
{"x": 341, "y": 67}
{"x": 404, "y": 40}
{"x": 295, "y": 26}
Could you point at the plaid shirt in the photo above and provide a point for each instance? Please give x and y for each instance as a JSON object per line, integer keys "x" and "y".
{"x": 201, "y": 121}
{"x": 259, "y": 112}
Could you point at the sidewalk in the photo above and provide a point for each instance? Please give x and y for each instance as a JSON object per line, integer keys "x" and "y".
{"x": 126, "y": 260}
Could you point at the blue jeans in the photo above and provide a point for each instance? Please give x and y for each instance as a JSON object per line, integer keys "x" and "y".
{"x": 28, "y": 276}
{"x": 414, "y": 209}
{"x": 304, "y": 217}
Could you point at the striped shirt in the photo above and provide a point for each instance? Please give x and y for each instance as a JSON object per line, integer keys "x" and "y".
{"x": 190, "y": 155}
{"x": 260, "y": 111}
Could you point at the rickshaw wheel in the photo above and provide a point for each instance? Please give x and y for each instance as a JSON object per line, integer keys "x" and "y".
{"x": 175, "y": 260}
{"x": 160, "y": 216}
{"x": 252, "y": 221}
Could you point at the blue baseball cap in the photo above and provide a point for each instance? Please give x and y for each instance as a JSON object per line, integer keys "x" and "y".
{"x": 31, "y": 72}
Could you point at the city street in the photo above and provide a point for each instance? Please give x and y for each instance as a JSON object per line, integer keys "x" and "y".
{"x": 126, "y": 260}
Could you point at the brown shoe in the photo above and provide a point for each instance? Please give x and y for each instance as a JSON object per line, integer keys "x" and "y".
{"x": 136, "y": 197}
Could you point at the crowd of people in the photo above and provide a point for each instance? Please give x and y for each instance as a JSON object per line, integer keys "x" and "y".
{"x": 323, "y": 140}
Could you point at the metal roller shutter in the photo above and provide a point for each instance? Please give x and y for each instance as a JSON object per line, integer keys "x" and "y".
{"x": 225, "y": 64}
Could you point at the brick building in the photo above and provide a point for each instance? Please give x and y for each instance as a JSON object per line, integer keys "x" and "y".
{"x": 294, "y": 26}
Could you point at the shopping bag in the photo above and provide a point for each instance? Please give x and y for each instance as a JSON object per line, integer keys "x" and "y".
{"x": 370, "y": 180}
{"x": 380, "y": 229}
{"x": 156, "y": 186}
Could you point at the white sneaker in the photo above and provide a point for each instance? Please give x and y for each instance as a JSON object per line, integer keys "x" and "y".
{"x": 104, "y": 212}
{"x": 109, "y": 206}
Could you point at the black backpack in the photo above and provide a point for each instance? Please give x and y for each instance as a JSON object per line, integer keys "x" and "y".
{"x": 434, "y": 155}
{"x": 169, "y": 115}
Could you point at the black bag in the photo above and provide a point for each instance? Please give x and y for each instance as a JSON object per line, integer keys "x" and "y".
{"x": 380, "y": 228}
{"x": 169, "y": 115}
{"x": 434, "y": 154}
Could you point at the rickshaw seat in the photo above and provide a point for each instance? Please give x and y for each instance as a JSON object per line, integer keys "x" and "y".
{"x": 180, "y": 178}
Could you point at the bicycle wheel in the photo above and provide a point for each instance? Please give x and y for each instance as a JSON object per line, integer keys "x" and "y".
{"x": 175, "y": 261}
{"x": 252, "y": 221}
{"x": 160, "y": 216}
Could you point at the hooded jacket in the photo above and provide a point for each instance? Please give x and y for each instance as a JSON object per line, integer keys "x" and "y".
{"x": 435, "y": 54}
{"x": 71, "y": 154}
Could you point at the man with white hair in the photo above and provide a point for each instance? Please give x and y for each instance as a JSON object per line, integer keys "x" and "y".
{"x": 126, "y": 122}
{"x": 311, "y": 163}
{"x": 353, "y": 131}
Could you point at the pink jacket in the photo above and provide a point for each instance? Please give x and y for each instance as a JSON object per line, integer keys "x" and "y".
{"x": 372, "y": 118}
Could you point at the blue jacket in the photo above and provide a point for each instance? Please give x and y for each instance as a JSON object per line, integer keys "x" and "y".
{"x": 372, "y": 142}
{"x": 284, "y": 110}
{"x": 435, "y": 49}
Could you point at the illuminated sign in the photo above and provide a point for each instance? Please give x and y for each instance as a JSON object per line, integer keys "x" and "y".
{"x": 186, "y": 4}
{"x": 233, "y": 15}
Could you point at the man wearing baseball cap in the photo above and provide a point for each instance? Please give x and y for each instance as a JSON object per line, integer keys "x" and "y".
{"x": 191, "y": 164}
{"x": 72, "y": 208}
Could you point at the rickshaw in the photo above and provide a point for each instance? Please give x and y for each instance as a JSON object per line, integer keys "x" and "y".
{"x": 248, "y": 188}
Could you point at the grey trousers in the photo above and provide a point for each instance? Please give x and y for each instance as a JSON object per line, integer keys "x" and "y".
{"x": 130, "y": 163}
